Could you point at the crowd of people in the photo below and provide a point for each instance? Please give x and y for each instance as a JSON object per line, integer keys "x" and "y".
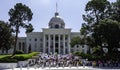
{"x": 57, "y": 60}
{"x": 54, "y": 60}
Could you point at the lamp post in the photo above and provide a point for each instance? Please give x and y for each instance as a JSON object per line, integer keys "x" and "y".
{"x": 105, "y": 49}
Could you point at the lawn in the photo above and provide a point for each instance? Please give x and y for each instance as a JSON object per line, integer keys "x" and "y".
{"x": 17, "y": 57}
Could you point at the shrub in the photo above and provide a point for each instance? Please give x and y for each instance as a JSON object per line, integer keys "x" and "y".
{"x": 17, "y": 57}
{"x": 22, "y": 57}
{"x": 88, "y": 56}
{"x": 7, "y": 59}
{"x": 77, "y": 53}
{"x": 19, "y": 52}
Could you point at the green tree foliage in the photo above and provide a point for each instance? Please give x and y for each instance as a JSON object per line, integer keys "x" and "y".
{"x": 101, "y": 24}
{"x": 96, "y": 10}
{"x": 109, "y": 30}
{"x": 75, "y": 41}
{"x": 6, "y": 38}
{"x": 20, "y": 16}
{"x": 116, "y": 11}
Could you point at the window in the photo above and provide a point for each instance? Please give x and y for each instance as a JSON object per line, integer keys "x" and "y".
{"x": 46, "y": 50}
{"x": 66, "y": 44}
{"x": 46, "y": 37}
{"x": 56, "y": 26}
{"x": 29, "y": 39}
{"x": 61, "y": 38}
{"x": 46, "y": 43}
{"x": 82, "y": 46}
{"x": 77, "y": 46}
{"x": 19, "y": 45}
{"x": 51, "y": 37}
{"x": 41, "y": 45}
{"x": 65, "y": 37}
{"x": 56, "y": 45}
{"x": 35, "y": 39}
{"x": 29, "y": 48}
{"x": 23, "y": 46}
{"x": 40, "y": 39}
{"x": 83, "y": 50}
{"x": 56, "y": 38}
{"x": 51, "y": 46}
{"x": 66, "y": 51}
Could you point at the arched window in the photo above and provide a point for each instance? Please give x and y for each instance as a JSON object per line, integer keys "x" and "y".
{"x": 77, "y": 46}
{"x": 29, "y": 48}
{"x": 23, "y": 46}
{"x": 19, "y": 45}
{"x": 82, "y": 46}
{"x": 56, "y": 26}
{"x": 35, "y": 39}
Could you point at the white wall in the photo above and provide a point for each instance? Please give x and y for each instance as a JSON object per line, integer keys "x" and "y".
{"x": 22, "y": 63}
{"x": 35, "y": 45}
{"x": 8, "y": 65}
{"x": 79, "y": 48}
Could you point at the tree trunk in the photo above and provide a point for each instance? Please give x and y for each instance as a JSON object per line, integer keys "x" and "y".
{"x": 97, "y": 19}
{"x": 17, "y": 30}
{"x": 6, "y": 51}
{"x": 110, "y": 49}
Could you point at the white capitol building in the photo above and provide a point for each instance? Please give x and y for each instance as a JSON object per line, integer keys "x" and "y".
{"x": 55, "y": 39}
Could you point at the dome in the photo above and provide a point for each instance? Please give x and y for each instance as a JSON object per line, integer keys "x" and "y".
{"x": 56, "y": 22}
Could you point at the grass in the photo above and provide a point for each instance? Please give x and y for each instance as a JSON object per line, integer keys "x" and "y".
{"x": 17, "y": 57}
{"x": 3, "y": 56}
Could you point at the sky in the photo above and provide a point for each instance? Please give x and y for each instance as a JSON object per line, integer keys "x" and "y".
{"x": 70, "y": 11}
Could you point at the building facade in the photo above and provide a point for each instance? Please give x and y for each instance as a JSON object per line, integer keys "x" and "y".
{"x": 55, "y": 39}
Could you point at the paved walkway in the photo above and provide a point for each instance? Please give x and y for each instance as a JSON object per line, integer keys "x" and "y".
{"x": 62, "y": 68}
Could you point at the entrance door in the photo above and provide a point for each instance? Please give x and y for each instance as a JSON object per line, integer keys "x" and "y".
{"x": 56, "y": 48}
{"x": 56, "y": 51}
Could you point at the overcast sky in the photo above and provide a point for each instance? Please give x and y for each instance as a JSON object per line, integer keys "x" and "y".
{"x": 43, "y": 10}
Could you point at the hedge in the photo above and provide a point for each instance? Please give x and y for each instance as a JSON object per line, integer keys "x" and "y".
{"x": 17, "y": 57}
{"x": 90, "y": 57}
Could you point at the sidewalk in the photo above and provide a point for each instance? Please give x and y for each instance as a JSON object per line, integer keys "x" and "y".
{"x": 64, "y": 68}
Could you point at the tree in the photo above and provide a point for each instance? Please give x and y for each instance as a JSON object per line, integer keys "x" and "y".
{"x": 116, "y": 11}
{"x": 96, "y": 10}
{"x": 109, "y": 30}
{"x": 75, "y": 41}
{"x": 6, "y": 38}
{"x": 20, "y": 16}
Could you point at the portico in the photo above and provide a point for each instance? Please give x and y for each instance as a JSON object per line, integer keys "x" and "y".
{"x": 56, "y": 41}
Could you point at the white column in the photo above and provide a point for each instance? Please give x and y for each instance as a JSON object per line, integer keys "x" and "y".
{"x": 63, "y": 44}
{"x": 44, "y": 43}
{"x": 59, "y": 44}
{"x": 21, "y": 46}
{"x": 27, "y": 44}
{"x": 53, "y": 43}
{"x": 49, "y": 43}
{"x": 69, "y": 48}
